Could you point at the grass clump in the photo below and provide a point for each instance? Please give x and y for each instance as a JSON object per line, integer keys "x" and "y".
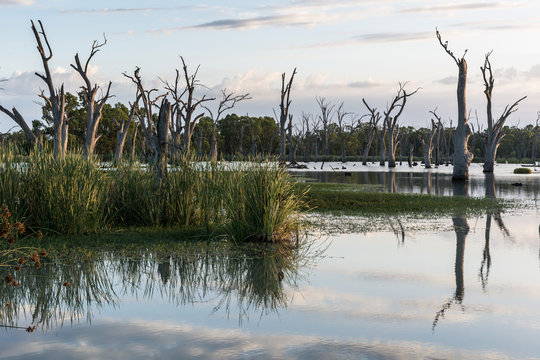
{"x": 352, "y": 200}
{"x": 522, "y": 170}
{"x": 65, "y": 195}
{"x": 261, "y": 204}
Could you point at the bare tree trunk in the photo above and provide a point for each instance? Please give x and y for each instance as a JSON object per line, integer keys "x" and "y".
{"x": 163, "y": 138}
{"x": 462, "y": 156}
{"x": 326, "y": 119}
{"x": 428, "y": 143}
{"x": 17, "y": 117}
{"x": 382, "y": 144}
{"x": 391, "y": 122}
{"x": 373, "y": 121}
{"x": 56, "y": 99}
{"x": 284, "y": 112}
{"x": 290, "y": 140}
{"x": 495, "y": 130}
{"x": 94, "y": 107}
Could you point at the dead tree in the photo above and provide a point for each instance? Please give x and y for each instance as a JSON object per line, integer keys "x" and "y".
{"x": 175, "y": 125}
{"x": 56, "y": 99}
{"x": 146, "y": 117}
{"x": 495, "y": 129}
{"x": 381, "y": 135}
{"x": 306, "y": 119}
{"x": 162, "y": 139}
{"x": 189, "y": 106}
{"x": 341, "y": 114}
{"x": 227, "y": 102}
{"x": 397, "y": 105}
{"x": 428, "y": 141}
{"x": 123, "y": 129}
{"x": 18, "y": 118}
{"x": 327, "y": 112}
{"x": 94, "y": 107}
{"x": 375, "y": 117}
{"x": 462, "y": 156}
{"x": 292, "y": 148}
{"x": 284, "y": 112}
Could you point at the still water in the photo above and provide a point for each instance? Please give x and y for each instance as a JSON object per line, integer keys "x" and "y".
{"x": 455, "y": 287}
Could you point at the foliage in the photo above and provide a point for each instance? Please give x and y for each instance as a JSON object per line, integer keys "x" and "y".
{"x": 522, "y": 170}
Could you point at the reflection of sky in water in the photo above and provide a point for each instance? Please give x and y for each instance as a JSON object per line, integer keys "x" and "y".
{"x": 370, "y": 295}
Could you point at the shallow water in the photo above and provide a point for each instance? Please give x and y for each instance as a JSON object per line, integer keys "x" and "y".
{"x": 453, "y": 287}
{"x": 435, "y": 181}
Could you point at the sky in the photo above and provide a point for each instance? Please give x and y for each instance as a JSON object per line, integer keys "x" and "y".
{"x": 343, "y": 51}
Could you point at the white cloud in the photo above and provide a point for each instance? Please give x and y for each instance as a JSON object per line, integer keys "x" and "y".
{"x": 16, "y": 2}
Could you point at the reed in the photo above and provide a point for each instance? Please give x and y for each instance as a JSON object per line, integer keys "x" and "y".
{"x": 65, "y": 195}
{"x": 261, "y": 204}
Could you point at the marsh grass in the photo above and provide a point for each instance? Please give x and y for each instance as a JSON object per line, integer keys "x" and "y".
{"x": 354, "y": 200}
{"x": 261, "y": 204}
{"x": 65, "y": 195}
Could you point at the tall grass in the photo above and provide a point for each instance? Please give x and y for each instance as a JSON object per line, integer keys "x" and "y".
{"x": 255, "y": 202}
{"x": 65, "y": 195}
{"x": 11, "y": 182}
{"x": 261, "y": 204}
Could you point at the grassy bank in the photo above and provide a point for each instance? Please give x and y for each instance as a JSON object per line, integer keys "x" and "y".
{"x": 353, "y": 199}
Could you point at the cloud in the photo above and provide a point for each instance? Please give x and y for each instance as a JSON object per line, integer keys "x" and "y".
{"x": 16, "y": 2}
{"x": 444, "y": 8}
{"x": 365, "y": 83}
{"x": 130, "y": 10}
{"x": 393, "y": 36}
{"x": 449, "y": 80}
{"x": 533, "y": 73}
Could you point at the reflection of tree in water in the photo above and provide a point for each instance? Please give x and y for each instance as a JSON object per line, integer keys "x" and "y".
{"x": 461, "y": 227}
{"x": 494, "y": 213}
{"x": 253, "y": 277}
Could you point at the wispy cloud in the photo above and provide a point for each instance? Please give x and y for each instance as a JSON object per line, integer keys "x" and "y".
{"x": 129, "y": 10}
{"x": 449, "y": 80}
{"x": 452, "y": 7}
{"x": 16, "y": 2}
{"x": 369, "y": 83}
{"x": 393, "y": 36}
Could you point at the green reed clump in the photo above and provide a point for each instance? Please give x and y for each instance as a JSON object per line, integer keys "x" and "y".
{"x": 522, "y": 170}
{"x": 65, "y": 195}
{"x": 261, "y": 204}
{"x": 10, "y": 184}
{"x": 134, "y": 199}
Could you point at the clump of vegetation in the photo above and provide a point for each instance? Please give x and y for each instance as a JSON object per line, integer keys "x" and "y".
{"x": 65, "y": 195}
{"x": 261, "y": 204}
{"x": 353, "y": 199}
{"x": 522, "y": 170}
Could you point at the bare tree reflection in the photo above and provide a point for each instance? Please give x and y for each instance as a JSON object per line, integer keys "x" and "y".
{"x": 461, "y": 228}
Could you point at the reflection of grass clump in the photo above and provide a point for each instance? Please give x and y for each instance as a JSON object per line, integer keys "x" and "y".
{"x": 349, "y": 199}
{"x": 522, "y": 170}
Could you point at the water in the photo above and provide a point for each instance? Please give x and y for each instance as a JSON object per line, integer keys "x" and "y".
{"x": 453, "y": 287}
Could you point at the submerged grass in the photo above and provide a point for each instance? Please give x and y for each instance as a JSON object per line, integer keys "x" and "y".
{"x": 351, "y": 199}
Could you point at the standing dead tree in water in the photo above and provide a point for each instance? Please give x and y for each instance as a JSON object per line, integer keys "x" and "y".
{"x": 227, "y": 102}
{"x": 146, "y": 117}
{"x": 428, "y": 141}
{"x": 123, "y": 129}
{"x": 56, "y": 100}
{"x": 189, "y": 105}
{"x": 327, "y": 112}
{"x": 284, "y": 112}
{"x": 495, "y": 129}
{"x": 374, "y": 119}
{"x": 342, "y": 133}
{"x": 391, "y": 119}
{"x": 94, "y": 107}
{"x": 462, "y": 155}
